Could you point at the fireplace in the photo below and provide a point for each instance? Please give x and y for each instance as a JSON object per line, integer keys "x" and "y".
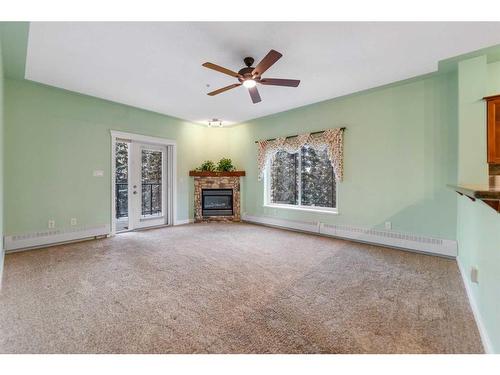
{"x": 217, "y": 202}
{"x": 216, "y": 195}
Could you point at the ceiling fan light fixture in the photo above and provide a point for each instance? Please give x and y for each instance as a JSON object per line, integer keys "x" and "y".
{"x": 249, "y": 83}
{"x": 249, "y": 76}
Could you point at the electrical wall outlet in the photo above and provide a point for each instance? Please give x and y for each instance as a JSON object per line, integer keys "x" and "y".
{"x": 73, "y": 221}
{"x": 52, "y": 224}
{"x": 98, "y": 173}
{"x": 388, "y": 225}
{"x": 474, "y": 275}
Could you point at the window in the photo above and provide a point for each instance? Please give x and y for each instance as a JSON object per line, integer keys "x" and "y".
{"x": 303, "y": 180}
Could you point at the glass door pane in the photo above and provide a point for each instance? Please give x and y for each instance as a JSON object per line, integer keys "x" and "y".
{"x": 151, "y": 180}
{"x": 121, "y": 186}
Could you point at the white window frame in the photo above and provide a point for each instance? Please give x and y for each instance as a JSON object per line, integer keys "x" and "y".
{"x": 298, "y": 207}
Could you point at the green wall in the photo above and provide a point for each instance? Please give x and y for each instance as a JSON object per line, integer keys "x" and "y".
{"x": 478, "y": 226}
{"x": 1, "y": 163}
{"x": 479, "y": 246}
{"x": 14, "y": 37}
{"x": 400, "y": 152}
{"x": 493, "y": 78}
{"x": 54, "y": 141}
{"x": 472, "y": 82}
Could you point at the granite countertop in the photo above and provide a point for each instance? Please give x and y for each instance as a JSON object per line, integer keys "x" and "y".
{"x": 478, "y": 191}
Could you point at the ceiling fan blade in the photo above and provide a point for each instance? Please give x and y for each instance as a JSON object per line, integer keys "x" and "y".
{"x": 266, "y": 63}
{"x": 224, "y": 89}
{"x": 280, "y": 82}
{"x": 254, "y": 94}
{"x": 221, "y": 69}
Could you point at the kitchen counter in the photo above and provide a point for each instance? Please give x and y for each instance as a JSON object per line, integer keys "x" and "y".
{"x": 488, "y": 194}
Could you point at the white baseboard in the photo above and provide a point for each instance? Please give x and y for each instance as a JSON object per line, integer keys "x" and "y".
{"x": 53, "y": 236}
{"x": 304, "y": 226}
{"x": 185, "y": 221}
{"x": 407, "y": 241}
{"x": 487, "y": 345}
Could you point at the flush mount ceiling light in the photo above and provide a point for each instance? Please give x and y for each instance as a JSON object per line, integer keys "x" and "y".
{"x": 250, "y": 76}
{"x": 215, "y": 122}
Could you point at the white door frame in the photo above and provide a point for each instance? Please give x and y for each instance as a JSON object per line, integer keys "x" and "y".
{"x": 171, "y": 172}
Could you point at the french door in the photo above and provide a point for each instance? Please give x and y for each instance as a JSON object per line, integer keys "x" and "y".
{"x": 142, "y": 196}
{"x": 148, "y": 185}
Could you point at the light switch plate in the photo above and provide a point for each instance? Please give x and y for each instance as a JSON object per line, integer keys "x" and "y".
{"x": 98, "y": 173}
{"x": 388, "y": 225}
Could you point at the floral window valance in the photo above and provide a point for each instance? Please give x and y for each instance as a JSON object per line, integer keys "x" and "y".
{"x": 330, "y": 140}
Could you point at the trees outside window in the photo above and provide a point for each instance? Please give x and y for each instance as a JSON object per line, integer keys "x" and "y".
{"x": 151, "y": 182}
{"x": 121, "y": 167}
{"x": 151, "y": 177}
{"x": 305, "y": 178}
{"x": 284, "y": 178}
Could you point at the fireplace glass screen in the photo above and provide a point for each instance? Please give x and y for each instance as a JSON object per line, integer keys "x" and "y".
{"x": 217, "y": 202}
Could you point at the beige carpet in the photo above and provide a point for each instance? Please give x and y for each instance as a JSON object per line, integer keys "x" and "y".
{"x": 232, "y": 288}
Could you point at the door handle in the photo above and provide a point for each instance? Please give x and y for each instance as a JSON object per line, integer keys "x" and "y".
{"x": 134, "y": 192}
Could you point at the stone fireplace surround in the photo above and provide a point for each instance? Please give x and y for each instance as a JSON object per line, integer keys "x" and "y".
{"x": 216, "y": 180}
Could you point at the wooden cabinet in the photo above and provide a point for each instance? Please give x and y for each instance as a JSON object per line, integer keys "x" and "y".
{"x": 493, "y": 104}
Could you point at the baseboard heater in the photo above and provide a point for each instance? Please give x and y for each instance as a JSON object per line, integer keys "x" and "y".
{"x": 406, "y": 241}
{"x": 53, "y": 236}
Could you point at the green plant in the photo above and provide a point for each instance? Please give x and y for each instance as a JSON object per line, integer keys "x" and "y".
{"x": 207, "y": 165}
{"x": 225, "y": 165}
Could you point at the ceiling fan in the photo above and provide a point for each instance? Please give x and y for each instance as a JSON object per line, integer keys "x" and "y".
{"x": 250, "y": 76}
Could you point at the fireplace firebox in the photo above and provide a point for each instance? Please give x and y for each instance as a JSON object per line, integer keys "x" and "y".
{"x": 217, "y": 202}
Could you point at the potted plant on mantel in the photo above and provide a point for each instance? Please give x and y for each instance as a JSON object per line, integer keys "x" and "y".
{"x": 224, "y": 168}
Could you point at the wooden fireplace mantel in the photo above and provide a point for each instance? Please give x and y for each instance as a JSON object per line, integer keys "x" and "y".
{"x": 216, "y": 174}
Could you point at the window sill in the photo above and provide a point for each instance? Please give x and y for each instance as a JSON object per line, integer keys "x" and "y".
{"x": 330, "y": 211}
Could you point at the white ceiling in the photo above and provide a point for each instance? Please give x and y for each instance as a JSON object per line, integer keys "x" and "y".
{"x": 157, "y": 66}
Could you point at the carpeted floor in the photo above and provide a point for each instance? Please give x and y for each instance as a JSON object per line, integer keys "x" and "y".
{"x": 232, "y": 288}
